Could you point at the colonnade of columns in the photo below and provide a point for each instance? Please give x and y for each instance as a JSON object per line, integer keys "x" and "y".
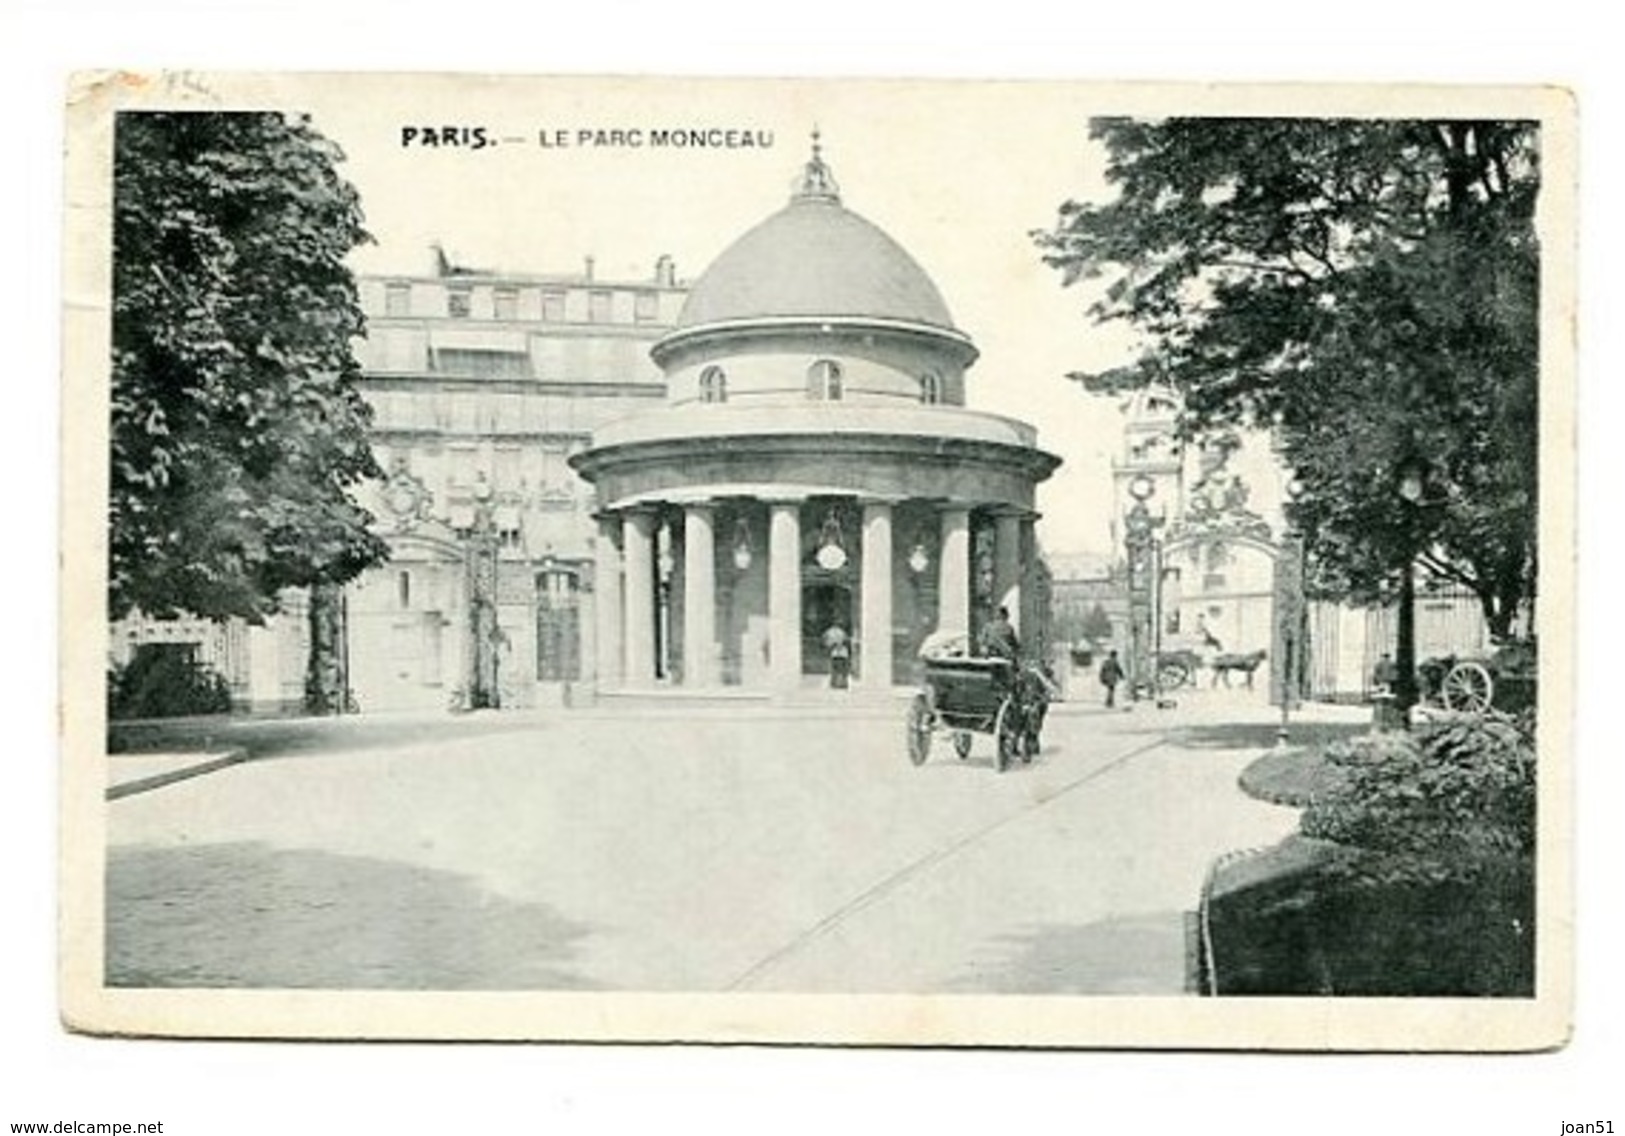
{"x": 627, "y": 590}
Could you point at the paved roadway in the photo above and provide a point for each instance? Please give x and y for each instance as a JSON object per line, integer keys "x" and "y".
{"x": 710, "y": 850}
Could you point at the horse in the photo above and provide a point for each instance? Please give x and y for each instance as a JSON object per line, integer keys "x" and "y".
{"x": 1035, "y": 688}
{"x": 1223, "y": 664}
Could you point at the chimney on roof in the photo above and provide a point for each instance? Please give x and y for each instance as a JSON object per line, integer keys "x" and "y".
{"x": 589, "y": 270}
{"x": 665, "y": 271}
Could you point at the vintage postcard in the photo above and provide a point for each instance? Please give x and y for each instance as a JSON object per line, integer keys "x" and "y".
{"x": 815, "y": 561}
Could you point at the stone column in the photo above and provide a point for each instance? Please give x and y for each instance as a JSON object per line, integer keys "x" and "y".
{"x": 638, "y": 534}
{"x": 784, "y": 595}
{"x": 699, "y": 597}
{"x": 1007, "y": 565}
{"x": 953, "y": 572}
{"x": 1031, "y": 592}
{"x": 607, "y": 603}
{"x": 875, "y": 660}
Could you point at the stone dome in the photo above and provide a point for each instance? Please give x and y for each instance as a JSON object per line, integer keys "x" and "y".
{"x": 815, "y": 258}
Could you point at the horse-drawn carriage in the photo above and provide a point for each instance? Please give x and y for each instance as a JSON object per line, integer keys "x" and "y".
{"x": 1226, "y": 664}
{"x": 968, "y": 696}
{"x": 1178, "y": 667}
{"x": 1503, "y": 680}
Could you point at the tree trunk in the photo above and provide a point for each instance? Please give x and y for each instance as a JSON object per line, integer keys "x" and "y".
{"x": 326, "y": 684}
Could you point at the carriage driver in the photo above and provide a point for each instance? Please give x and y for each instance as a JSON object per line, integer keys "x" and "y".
{"x": 998, "y": 639}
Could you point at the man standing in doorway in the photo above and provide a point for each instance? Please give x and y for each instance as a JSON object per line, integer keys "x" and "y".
{"x": 839, "y": 646}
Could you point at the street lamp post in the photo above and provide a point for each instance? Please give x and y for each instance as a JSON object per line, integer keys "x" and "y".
{"x": 1140, "y": 542}
{"x": 1159, "y": 618}
{"x": 483, "y": 688}
{"x": 1412, "y": 488}
{"x": 665, "y": 568}
{"x": 1290, "y": 619}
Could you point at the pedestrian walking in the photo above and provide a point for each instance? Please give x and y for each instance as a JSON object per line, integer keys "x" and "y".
{"x": 1111, "y": 673}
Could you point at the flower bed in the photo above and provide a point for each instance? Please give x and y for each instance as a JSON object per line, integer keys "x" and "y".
{"x": 1414, "y": 874}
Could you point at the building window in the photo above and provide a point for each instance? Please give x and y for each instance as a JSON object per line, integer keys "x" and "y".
{"x": 713, "y": 385}
{"x": 465, "y": 461}
{"x": 600, "y": 307}
{"x": 646, "y": 308}
{"x": 431, "y": 648}
{"x": 482, "y": 363}
{"x": 555, "y": 473}
{"x": 505, "y": 463}
{"x": 553, "y": 307}
{"x": 1213, "y": 582}
{"x": 459, "y": 303}
{"x": 505, "y": 303}
{"x": 824, "y": 381}
{"x": 403, "y": 590}
{"x": 931, "y": 388}
{"x": 398, "y": 299}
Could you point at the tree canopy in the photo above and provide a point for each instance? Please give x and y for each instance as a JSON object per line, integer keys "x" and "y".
{"x": 1366, "y": 289}
{"x": 237, "y": 431}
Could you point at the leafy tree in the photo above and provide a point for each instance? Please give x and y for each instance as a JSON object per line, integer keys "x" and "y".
{"x": 1367, "y": 289}
{"x": 1097, "y": 625}
{"x": 237, "y": 431}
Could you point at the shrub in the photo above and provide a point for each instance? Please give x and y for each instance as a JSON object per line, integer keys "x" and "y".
{"x": 1419, "y": 881}
{"x": 1442, "y": 804}
{"x": 166, "y": 680}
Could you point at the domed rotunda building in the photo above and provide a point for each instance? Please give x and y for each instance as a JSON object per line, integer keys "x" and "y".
{"x": 814, "y": 466}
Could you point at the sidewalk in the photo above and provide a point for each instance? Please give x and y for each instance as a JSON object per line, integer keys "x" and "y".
{"x": 128, "y": 774}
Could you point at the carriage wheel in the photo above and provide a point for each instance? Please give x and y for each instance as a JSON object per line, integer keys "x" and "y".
{"x": 1468, "y": 687}
{"x": 1007, "y": 734}
{"x": 919, "y": 730}
{"x": 1172, "y": 676}
{"x": 962, "y": 742}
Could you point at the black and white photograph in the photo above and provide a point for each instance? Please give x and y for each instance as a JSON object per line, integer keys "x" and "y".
{"x": 868, "y": 562}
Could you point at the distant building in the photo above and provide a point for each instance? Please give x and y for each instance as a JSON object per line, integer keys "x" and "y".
{"x": 1217, "y": 552}
{"x": 1083, "y": 582}
{"x": 1219, "y": 531}
{"x": 483, "y": 385}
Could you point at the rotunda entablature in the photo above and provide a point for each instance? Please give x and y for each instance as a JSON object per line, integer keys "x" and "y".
{"x": 942, "y": 453}
{"x": 688, "y": 423}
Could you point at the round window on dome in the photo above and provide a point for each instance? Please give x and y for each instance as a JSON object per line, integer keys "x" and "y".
{"x": 713, "y": 385}
{"x": 824, "y": 381}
